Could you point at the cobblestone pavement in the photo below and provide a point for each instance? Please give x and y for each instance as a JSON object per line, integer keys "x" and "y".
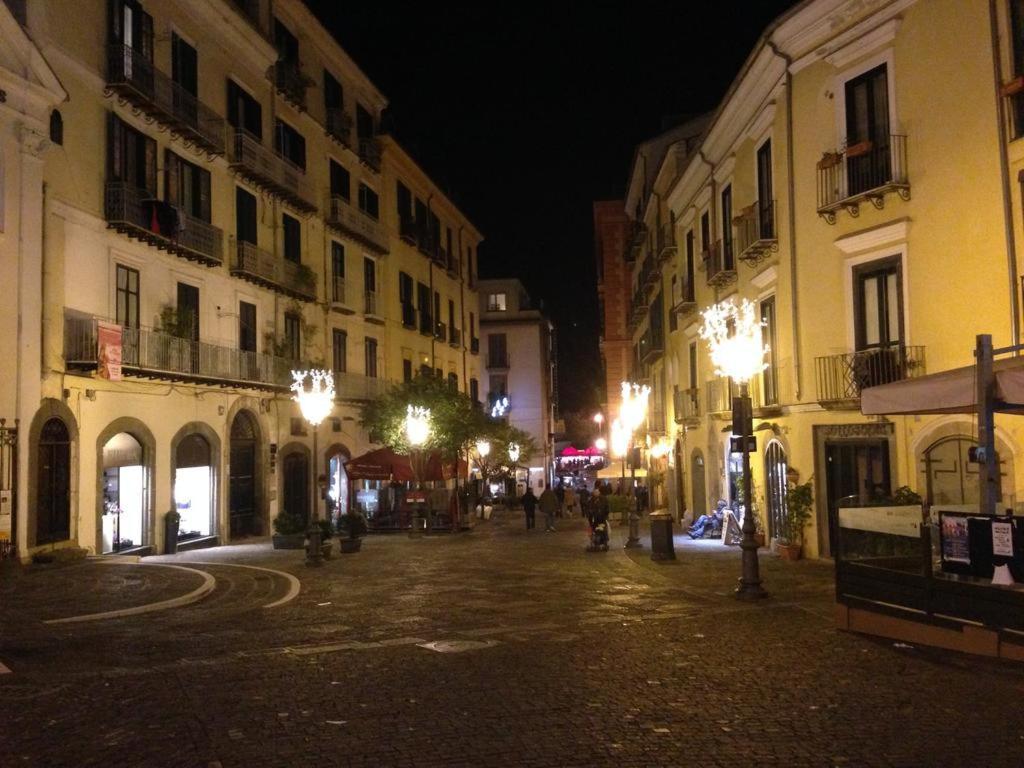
{"x": 492, "y": 648}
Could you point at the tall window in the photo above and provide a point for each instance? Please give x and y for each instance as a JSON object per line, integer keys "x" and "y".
{"x": 334, "y": 94}
{"x": 292, "y": 238}
{"x": 424, "y": 306}
{"x": 474, "y": 390}
{"x": 496, "y": 302}
{"x": 184, "y": 70}
{"x": 878, "y": 305}
{"x": 406, "y": 369}
{"x": 371, "y": 357}
{"x": 244, "y": 112}
{"x": 338, "y": 272}
{"x": 188, "y": 311}
{"x": 292, "y": 336}
{"x": 692, "y": 374}
{"x": 765, "y": 193}
{"x": 690, "y": 267}
{"x": 369, "y": 275}
{"x": 133, "y": 28}
{"x": 56, "y": 127}
{"x": 245, "y": 216}
{"x": 131, "y": 157}
{"x": 127, "y": 297}
{"x": 364, "y": 122}
{"x": 453, "y": 382}
{"x": 290, "y": 144}
{"x": 867, "y": 131}
{"x": 405, "y": 298}
{"x": 727, "y": 227}
{"x": 339, "y": 348}
{"x": 770, "y": 376}
{"x": 187, "y": 186}
{"x": 369, "y": 202}
{"x": 497, "y": 350}
{"x": 451, "y": 319}
{"x": 705, "y": 232}
{"x": 286, "y": 42}
{"x": 341, "y": 181}
{"x": 246, "y": 326}
{"x": 403, "y": 200}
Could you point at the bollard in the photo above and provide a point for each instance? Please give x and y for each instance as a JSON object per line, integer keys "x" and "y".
{"x": 662, "y": 547}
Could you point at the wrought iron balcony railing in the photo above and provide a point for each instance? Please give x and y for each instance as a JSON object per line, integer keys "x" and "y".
{"x": 369, "y": 152}
{"x": 269, "y": 171}
{"x": 687, "y": 405}
{"x": 291, "y": 83}
{"x": 135, "y": 79}
{"x": 339, "y": 125}
{"x": 351, "y": 221}
{"x": 440, "y": 331}
{"x": 864, "y": 171}
{"x": 756, "y": 236}
{"x": 408, "y": 315}
{"x": 841, "y": 378}
{"x": 338, "y": 297}
{"x": 455, "y": 337}
{"x": 151, "y": 353}
{"x": 371, "y": 306}
{"x": 652, "y": 344}
{"x": 426, "y": 323}
{"x": 136, "y": 213}
{"x": 258, "y": 266}
{"x": 719, "y": 263}
{"x": 666, "y": 243}
{"x": 684, "y": 301}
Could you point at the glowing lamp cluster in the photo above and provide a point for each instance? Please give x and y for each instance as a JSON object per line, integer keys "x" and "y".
{"x": 633, "y": 411}
{"x": 417, "y": 425}
{"x": 734, "y": 336}
{"x": 499, "y": 408}
{"x": 483, "y": 448}
{"x": 513, "y": 452}
{"x": 601, "y": 444}
{"x": 620, "y": 439}
{"x": 316, "y": 400}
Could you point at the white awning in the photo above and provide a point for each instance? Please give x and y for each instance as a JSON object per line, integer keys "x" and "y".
{"x": 953, "y": 391}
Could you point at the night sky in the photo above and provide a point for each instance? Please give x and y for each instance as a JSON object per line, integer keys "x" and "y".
{"x": 529, "y": 115}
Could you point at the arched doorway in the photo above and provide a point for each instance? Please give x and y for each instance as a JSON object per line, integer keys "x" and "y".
{"x": 698, "y": 481}
{"x": 775, "y": 487}
{"x": 295, "y": 496}
{"x": 125, "y": 490}
{"x": 194, "y": 487}
{"x": 337, "y": 481}
{"x": 243, "y": 516}
{"x": 53, "y": 515}
{"x": 951, "y": 477}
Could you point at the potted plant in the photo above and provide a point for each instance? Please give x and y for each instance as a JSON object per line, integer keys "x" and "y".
{"x": 289, "y": 531}
{"x": 326, "y": 534}
{"x": 172, "y": 520}
{"x": 799, "y": 499}
{"x": 353, "y": 526}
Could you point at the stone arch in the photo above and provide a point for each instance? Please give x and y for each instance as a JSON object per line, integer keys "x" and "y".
{"x": 138, "y": 430}
{"x": 290, "y": 449}
{"x": 335, "y": 449}
{"x": 50, "y": 408}
{"x": 698, "y": 483}
{"x": 213, "y": 439}
{"x": 249, "y": 409}
{"x": 953, "y": 427}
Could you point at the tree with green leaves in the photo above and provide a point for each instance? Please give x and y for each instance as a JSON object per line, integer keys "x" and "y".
{"x": 500, "y": 435}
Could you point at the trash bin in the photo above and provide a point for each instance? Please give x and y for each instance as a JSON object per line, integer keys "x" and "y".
{"x": 171, "y": 522}
{"x": 662, "y": 547}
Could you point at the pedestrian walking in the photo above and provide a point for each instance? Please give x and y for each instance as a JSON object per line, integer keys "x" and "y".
{"x": 560, "y": 495}
{"x": 549, "y": 506}
{"x": 529, "y": 502}
{"x": 570, "y": 501}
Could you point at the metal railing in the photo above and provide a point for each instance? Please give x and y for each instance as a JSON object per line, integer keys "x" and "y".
{"x": 665, "y": 247}
{"x": 842, "y": 378}
{"x": 497, "y": 362}
{"x": 370, "y": 304}
{"x": 291, "y": 82}
{"x": 440, "y": 331}
{"x": 254, "y": 264}
{"x": 719, "y": 263}
{"x": 408, "y": 315}
{"x": 339, "y": 125}
{"x": 866, "y": 170}
{"x": 138, "y": 214}
{"x": 369, "y": 152}
{"x": 267, "y": 169}
{"x": 135, "y": 78}
{"x": 455, "y": 337}
{"x": 426, "y": 323}
{"x": 755, "y": 231}
{"x": 687, "y": 404}
{"x": 341, "y": 215}
{"x": 408, "y": 230}
{"x": 338, "y": 290}
{"x": 652, "y": 344}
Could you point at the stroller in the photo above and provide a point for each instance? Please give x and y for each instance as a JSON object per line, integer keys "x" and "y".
{"x": 598, "y": 537}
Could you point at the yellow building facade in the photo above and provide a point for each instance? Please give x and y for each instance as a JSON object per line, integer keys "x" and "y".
{"x": 851, "y": 185}
{"x": 219, "y": 207}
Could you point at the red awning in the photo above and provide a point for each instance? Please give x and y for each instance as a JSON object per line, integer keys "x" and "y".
{"x": 385, "y": 464}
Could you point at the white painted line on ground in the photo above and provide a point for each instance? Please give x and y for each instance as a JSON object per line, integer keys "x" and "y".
{"x": 294, "y": 585}
{"x": 175, "y": 602}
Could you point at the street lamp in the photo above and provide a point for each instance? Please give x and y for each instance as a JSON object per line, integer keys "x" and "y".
{"x": 632, "y": 414}
{"x": 601, "y": 444}
{"x": 513, "y": 452}
{"x": 737, "y": 350}
{"x": 315, "y": 403}
{"x": 417, "y": 432}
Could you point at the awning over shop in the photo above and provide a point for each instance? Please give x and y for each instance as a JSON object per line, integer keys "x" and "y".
{"x": 385, "y": 464}
{"x": 953, "y": 391}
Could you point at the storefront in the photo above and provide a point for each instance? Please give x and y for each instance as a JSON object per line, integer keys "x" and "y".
{"x": 194, "y": 489}
{"x": 125, "y": 493}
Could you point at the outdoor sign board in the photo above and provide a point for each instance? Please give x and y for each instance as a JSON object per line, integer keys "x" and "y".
{"x": 973, "y": 544}
{"x": 898, "y": 521}
{"x": 108, "y": 338}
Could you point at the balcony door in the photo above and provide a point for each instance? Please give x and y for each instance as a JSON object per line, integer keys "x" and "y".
{"x": 53, "y": 483}
{"x": 188, "y": 311}
{"x": 867, "y": 131}
{"x": 245, "y": 216}
{"x": 185, "y": 73}
{"x": 132, "y": 29}
{"x": 765, "y": 194}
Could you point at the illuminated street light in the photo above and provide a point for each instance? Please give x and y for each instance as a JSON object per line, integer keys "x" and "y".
{"x": 599, "y": 419}
{"x": 483, "y": 448}
{"x": 633, "y": 414}
{"x": 315, "y": 404}
{"x": 601, "y": 444}
{"x": 417, "y": 432}
{"x": 513, "y": 452}
{"x": 500, "y": 407}
{"x": 734, "y": 336}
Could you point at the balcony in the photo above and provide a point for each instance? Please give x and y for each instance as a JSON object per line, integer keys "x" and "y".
{"x": 408, "y": 231}
{"x": 665, "y": 246}
{"x": 685, "y": 302}
{"x": 687, "y": 406}
{"x": 497, "y": 362}
{"x": 652, "y": 345}
{"x": 650, "y": 272}
{"x": 866, "y": 171}
{"x": 474, "y": 346}
{"x": 369, "y": 153}
{"x": 372, "y": 308}
{"x": 440, "y": 257}
{"x": 135, "y": 213}
{"x": 339, "y": 125}
{"x": 841, "y": 378}
{"x": 134, "y": 79}
{"x": 258, "y": 266}
{"x": 656, "y": 421}
{"x": 440, "y": 331}
{"x": 454, "y": 337}
{"x": 453, "y": 267}
{"x": 291, "y": 83}
{"x": 756, "y": 235}
{"x": 339, "y": 298}
{"x": 252, "y": 161}
{"x": 341, "y": 216}
{"x": 153, "y": 354}
{"x": 719, "y": 263}
{"x": 408, "y": 316}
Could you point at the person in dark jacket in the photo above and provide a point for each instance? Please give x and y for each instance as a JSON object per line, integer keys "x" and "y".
{"x": 529, "y": 502}
{"x": 548, "y": 503}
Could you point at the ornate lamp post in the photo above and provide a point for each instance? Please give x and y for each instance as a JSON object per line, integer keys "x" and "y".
{"x": 417, "y": 432}
{"x": 315, "y": 403}
{"x": 632, "y": 414}
{"x": 733, "y": 334}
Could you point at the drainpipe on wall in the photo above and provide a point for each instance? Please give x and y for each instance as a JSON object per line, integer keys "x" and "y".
{"x": 791, "y": 205}
{"x": 1004, "y": 167}
{"x": 433, "y": 320}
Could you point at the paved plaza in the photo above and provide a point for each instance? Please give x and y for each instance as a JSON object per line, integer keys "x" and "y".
{"x": 491, "y": 648}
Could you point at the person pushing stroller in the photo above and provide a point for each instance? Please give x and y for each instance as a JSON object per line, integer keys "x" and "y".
{"x": 597, "y": 516}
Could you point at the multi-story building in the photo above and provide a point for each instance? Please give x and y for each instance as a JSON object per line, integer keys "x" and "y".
{"x": 857, "y": 183}
{"x": 613, "y": 297}
{"x": 215, "y": 211}
{"x": 520, "y": 363}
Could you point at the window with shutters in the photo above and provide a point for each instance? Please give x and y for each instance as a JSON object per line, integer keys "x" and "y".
{"x": 369, "y": 203}
{"x": 188, "y": 311}
{"x": 132, "y": 27}
{"x": 424, "y": 307}
{"x": 245, "y": 216}
{"x": 770, "y": 375}
{"x": 341, "y": 181}
{"x": 337, "y": 260}
{"x": 246, "y": 326}
{"x": 292, "y": 336}
{"x": 365, "y": 128}
{"x": 403, "y": 199}
{"x": 290, "y": 144}
{"x": 187, "y": 186}
{"x": 371, "y": 357}
{"x": 406, "y": 300}
{"x": 334, "y": 94}
{"x": 292, "y": 238}
{"x": 131, "y": 157}
{"x": 184, "y": 65}
{"x": 369, "y": 275}
{"x": 244, "y": 112}
{"x": 339, "y": 347}
{"x": 127, "y": 297}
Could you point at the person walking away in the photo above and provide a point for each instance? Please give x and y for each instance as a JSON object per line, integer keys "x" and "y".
{"x": 560, "y": 495}
{"x": 570, "y": 501}
{"x": 549, "y": 506}
{"x": 529, "y": 502}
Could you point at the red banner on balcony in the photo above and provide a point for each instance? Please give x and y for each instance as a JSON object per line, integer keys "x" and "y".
{"x": 108, "y": 337}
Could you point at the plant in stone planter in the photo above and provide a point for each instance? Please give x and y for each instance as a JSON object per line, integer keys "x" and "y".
{"x": 289, "y": 531}
{"x": 353, "y": 526}
{"x": 799, "y": 500}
